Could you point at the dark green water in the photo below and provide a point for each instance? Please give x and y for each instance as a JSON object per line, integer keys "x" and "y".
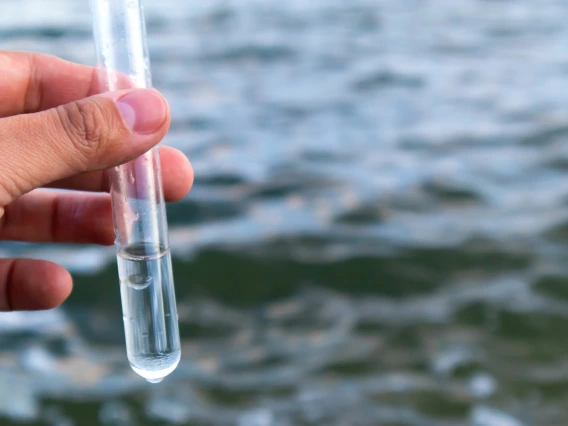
{"x": 377, "y": 234}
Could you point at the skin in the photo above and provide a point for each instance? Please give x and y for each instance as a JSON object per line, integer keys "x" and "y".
{"x": 56, "y": 133}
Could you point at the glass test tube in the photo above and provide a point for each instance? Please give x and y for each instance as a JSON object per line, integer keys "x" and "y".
{"x": 143, "y": 255}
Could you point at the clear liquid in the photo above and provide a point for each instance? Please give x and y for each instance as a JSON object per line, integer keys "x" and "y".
{"x": 149, "y": 310}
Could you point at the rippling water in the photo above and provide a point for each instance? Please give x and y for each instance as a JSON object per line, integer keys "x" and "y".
{"x": 377, "y": 234}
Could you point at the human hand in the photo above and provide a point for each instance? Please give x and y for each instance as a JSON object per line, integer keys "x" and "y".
{"x": 54, "y": 133}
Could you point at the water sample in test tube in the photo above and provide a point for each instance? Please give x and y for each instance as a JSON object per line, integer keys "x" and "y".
{"x": 139, "y": 213}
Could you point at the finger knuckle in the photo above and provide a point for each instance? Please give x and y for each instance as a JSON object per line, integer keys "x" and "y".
{"x": 84, "y": 126}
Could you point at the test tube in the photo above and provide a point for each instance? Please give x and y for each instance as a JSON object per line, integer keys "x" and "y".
{"x": 139, "y": 213}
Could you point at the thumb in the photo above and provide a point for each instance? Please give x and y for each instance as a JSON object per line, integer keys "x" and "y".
{"x": 91, "y": 134}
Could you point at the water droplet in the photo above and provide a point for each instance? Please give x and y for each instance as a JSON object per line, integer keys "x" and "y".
{"x": 139, "y": 282}
{"x": 131, "y": 178}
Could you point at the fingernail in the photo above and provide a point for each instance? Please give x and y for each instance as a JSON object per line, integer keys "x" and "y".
{"x": 143, "y": 110}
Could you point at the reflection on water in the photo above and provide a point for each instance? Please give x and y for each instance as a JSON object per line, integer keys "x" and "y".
{"x": 377, "y": 234}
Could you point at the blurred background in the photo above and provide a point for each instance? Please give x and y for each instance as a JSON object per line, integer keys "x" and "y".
{"x": 378, "y": 232}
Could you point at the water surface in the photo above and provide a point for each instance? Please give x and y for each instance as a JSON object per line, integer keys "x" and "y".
{"x": 377, "y": 234}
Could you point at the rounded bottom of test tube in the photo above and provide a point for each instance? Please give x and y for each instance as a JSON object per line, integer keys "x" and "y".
{"x": 149, "y": 368}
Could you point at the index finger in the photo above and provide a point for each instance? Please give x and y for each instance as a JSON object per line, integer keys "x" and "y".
{"x": 33, "y": 82}
{"x": 177, "y": 176}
